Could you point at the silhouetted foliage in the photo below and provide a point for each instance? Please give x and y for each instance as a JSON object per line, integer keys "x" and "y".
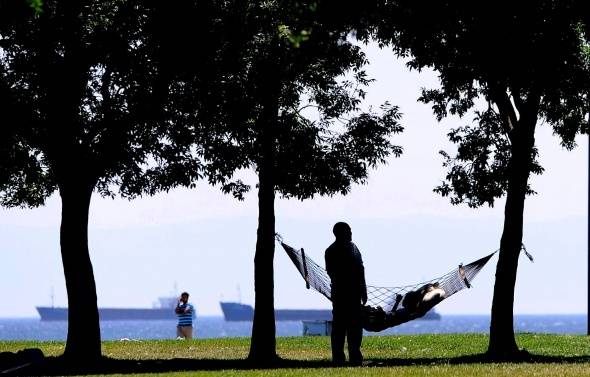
{"x": 22, "y": 179}
{"x": 195, "y": 61}
{"x": 523, "y": 62}
{"x": 295, "y": 153}
{"x": 282, "y": 97}
{"x": 79, "y": 87}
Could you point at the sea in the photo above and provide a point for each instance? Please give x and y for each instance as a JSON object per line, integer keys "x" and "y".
{"x": 217, "y": 327}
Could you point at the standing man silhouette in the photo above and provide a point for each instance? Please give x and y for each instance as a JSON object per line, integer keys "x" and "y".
{"x": 344, "y": 265}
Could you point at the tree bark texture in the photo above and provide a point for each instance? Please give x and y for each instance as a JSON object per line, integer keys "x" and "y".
{"x": 263, "y": 342}
{"x": 502, "y": 343}
{"x": 83, "y": 340}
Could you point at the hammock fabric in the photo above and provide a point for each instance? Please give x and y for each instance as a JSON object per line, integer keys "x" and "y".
{"x": 391, "y": 306}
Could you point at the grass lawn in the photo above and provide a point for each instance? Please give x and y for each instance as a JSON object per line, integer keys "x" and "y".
{"x": 411, "y": 355}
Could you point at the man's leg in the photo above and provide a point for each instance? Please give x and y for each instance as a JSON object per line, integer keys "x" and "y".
{"x": 355, "y": 338}
{"x": 337, "y": 337}
{"x": 188, "y": 331}
{"x": 179, "y": 332}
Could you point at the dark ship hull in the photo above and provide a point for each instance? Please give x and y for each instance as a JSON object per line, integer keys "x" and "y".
{"x": 111, "y": 314}
{"x": 234, "y": 311}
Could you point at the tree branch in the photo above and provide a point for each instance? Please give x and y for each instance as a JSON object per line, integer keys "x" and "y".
{"x": 500, "y": 97}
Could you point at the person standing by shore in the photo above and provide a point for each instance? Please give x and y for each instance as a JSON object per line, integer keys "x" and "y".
{"x": 185, "y": 312}
{"x": 344, "y": 265}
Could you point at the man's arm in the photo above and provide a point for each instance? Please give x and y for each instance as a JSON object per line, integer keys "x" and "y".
{"x": 363, "y": 284}
{"x": 329, "y": 263}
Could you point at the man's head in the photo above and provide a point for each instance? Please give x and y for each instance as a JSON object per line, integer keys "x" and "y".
{"x": 342, "y": 232}
{"x": 184, "y": 297}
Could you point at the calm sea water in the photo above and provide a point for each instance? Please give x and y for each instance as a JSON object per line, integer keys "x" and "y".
{"x": 217, "y": 327}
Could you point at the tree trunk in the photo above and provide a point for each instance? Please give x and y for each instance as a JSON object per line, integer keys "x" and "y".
{"x": 83, "y": 341}
{"x": 263, "y": 343}
{"x": 502, "y": 344}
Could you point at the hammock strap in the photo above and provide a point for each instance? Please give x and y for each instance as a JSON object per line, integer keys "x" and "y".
{"x": 528, "y": 255}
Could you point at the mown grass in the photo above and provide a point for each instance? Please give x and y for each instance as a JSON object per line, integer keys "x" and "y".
{"x": 415, "y": 355}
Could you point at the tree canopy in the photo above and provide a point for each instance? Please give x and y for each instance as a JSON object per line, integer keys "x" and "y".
{"x": 297, "y": 154}
{"x": 511, "y": 64}
{"x": 80, "y": 87}
{"x": 283, "y": 98}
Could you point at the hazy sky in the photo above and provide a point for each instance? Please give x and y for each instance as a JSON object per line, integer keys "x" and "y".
{"x": 203, "y": 242}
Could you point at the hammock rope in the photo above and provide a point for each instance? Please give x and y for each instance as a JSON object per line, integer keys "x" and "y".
{"x": 386, "y": 306}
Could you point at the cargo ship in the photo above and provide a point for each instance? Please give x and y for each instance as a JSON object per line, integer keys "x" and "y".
{"x": 235, "y": 311}
{"x": 162, "y": 310}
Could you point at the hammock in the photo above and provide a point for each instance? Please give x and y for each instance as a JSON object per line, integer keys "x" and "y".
{"x": 391, "y": 306}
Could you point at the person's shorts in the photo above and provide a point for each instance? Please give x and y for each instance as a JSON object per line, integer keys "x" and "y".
{"x": 185, "y": 332}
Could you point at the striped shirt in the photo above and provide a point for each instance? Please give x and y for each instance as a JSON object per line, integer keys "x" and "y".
{"x": 186, "y": 315}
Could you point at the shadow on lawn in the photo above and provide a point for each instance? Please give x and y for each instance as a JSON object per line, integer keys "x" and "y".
{"x": 483, "y": 358}
{"x": 57, "y": 366}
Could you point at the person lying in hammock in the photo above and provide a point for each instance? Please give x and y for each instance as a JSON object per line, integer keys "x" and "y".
{"x": 424, "y": 298}
{"x": 415, "y": 304}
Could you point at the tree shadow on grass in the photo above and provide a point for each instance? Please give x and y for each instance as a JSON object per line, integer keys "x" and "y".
{"x": 56, "y": 366}
{"x": 482, "y": 358}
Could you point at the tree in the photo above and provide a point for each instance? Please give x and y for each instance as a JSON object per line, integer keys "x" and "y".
{"x": 281, "y": 95}
{"x": 84, "y": 84}
{"x": 525, "y": 61}
{"x": 291, "y": 111}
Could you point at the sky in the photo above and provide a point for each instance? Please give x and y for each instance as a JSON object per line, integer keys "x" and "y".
{"x": 203, "y": 242}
